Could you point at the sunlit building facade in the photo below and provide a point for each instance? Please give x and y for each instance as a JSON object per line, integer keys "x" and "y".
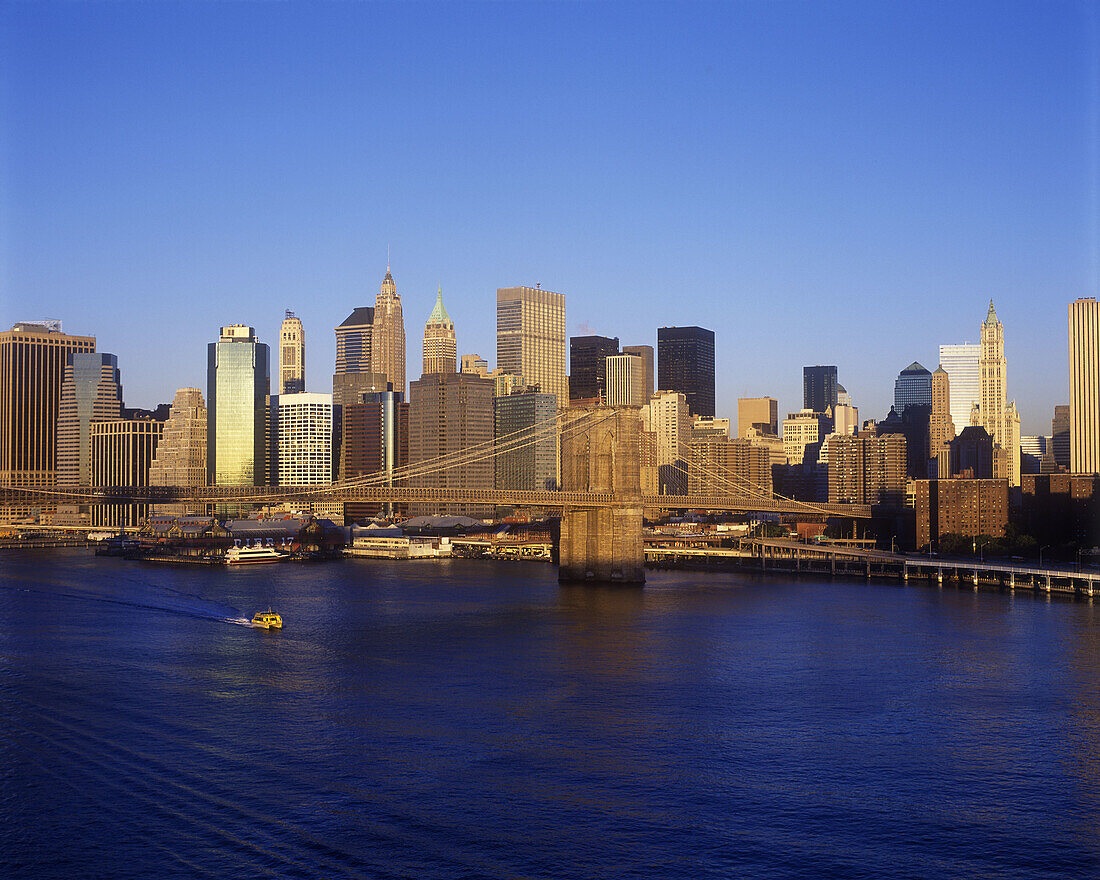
{"x": 237, "y": 388}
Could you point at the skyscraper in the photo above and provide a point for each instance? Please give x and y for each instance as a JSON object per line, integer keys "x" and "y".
{"x": 376, "y": 441}
{"x": 530, "y": 465}
{"x": 353, "y": 342}
{"x": 625, "y": 380}
{"x": 819, "y": 388}
{"x": 91, "y": 391}
{"x": 941, "y": 429}
{"x": 913, "y": 386}
{"x": 1059, "y": 434}
{"x": 761, "y": 413}
{"x": 685, "y": 363}
{"x": 1084, "y": 386}
{"x": 122, "y": 451}
{"x": 292, "y": 355}
{"x": 32, "y": 368}
{"x": 531, "y": 338}
{"x": 999, "y": 417}
{"x": 645, "y": 352}
{"x": 387, "y": 351}
{"x": 440, "y": 345}
{"x": 237, "y": 387}
{"x": 960, "y": 362}
{"x": 180, "y": 458}
{"x": 588, "y": 366}
{"x": 666, "y": 415}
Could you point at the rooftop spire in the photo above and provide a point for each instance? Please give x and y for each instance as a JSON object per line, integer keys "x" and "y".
{"x": 991, "y": 315}
{"x": 439, "y": 313}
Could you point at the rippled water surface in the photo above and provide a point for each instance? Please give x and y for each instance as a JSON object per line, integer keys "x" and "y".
{"x": 474, "y": 719}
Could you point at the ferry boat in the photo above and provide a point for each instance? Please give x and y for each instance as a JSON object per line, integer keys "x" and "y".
{"x": 267, "y": 619}
{"x": 253, "y": 555}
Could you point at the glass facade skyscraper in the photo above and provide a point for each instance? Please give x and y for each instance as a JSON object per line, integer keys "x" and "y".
{"x": 237, "y": 376}
{"x": 685, "y": 363}
{"x": 961, "y": 365}
{"x": 819, "y": 388}
{"x": 913, "y": 387}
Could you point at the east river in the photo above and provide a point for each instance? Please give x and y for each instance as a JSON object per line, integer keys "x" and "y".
{"x": 468, "y": 719}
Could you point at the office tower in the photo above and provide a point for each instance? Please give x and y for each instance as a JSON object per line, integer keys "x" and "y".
{"x": 122, "y": 452}
{"x": 531, "y": 338}
{"x": 1032, "y": 451}
{"x": 867, "y": 470}
{"x": 292, "y": 355}
{"x": 588, "y": 366}
{"x": 999, "y": 417}
{"x": 960, "y": 362}
{"x": 32, "y": 367}
{"x": 803, "y": 434}
{"x": 476, "y": 364}
{"x": 625, "y": 380}
{"x": 440, "y": 345}
{"x": 912, "y": 386}
{"x": 819, "y": 388}
{"x": 303, "y": 439}
{"x": 505, "y": 383}
{"x": 1084, "y": 386}
{"x": 450, "y": 413}
{"x": 761, "y": 413}
{"x": 387, "y": 344}
{"x": 845, "y": 419}
{"x": 720, "y": 466}
{"x": 237, "y": 387}
{"x": 667, "y": 415}
{"x": 971, "y": 454}
{"x": 1060, "y": 434}
{"x": 645, "y": 352}
{"x": 376, "y": 441}
{"x": 685, "y": 363}
{"x": 91, "y": 391}
{"x": 524, "y": 461}
{"x": 843, "y": 398}
{"x": 940, "y": 427}
{"x": 180, "y": 458}
{"x": 353, "y": 342}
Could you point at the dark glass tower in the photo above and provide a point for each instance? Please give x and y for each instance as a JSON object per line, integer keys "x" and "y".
{"x": 685, "y": 363}
{"x": 913, "y": 387}
{"x": 819, "y": 388}
{"x": 588, "y": 365}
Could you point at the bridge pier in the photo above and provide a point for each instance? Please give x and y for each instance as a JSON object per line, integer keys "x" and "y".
{"x": 602, "y": 544}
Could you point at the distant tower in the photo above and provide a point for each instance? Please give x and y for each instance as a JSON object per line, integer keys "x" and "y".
{"x": 1084, "y": 387}
{"x": 388, "y": 335}
{"x": 181, "y": 454}
{"x": 941, "y": 430}
{"x": 91, "y": 392}
{"x": 440, "y": 345}
{"x": 819, "y": 388}
{"x": 645, "y": 352}
{"x": 292, "y": 355}
{"x": 531, "y": 338}
{"x": 237, "y": 387}
{"x": 999, "y": 417}
{"x": 685, "y": 363}
{"x": 588, "y": 366}
{"x": 960, "y": 362}
{"x": 913, "y": 386}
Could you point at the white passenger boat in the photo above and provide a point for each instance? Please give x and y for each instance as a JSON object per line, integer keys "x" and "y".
{"x": 253, "y": 555}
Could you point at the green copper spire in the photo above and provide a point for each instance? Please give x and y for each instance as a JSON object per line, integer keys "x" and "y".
{"x": 439, "y": 313}
{"x": 991, "y": 317}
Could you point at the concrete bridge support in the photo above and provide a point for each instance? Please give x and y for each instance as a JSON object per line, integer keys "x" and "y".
{"x": 602, "y": 545}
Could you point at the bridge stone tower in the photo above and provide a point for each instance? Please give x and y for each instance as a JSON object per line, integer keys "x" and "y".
{"x": 599, "y": 453}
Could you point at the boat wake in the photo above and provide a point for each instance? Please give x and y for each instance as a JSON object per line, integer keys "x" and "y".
{"x": 238, "y": 621}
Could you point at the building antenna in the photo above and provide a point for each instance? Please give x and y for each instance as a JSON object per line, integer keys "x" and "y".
{"x": 387, "y": 258}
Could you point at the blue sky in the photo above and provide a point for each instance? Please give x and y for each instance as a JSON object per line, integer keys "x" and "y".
{"x": 837, "y": 182}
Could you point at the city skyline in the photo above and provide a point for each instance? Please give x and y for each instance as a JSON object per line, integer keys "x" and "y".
{"x": 850, "y": 183}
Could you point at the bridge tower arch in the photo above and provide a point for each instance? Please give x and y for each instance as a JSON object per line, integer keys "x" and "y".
{"x": 599, "y": 454}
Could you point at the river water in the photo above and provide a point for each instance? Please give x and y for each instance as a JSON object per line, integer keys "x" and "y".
{"x": 469, "y": 719}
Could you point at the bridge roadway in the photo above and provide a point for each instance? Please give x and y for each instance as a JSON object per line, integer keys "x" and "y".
{"x": 15, "y": 496}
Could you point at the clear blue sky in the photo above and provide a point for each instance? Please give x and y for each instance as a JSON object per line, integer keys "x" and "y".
{"x": 830, "y": 182}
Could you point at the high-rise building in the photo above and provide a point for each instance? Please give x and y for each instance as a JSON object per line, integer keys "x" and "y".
{"x": 819, "y": 388}
{"x": 867, "y": 470}
{"x": 292, "y": 355}
{"x": 729, "y": 467}
{"x": 845, "y": 419}
{"x": 448, "y": 414}
{"x": 237, "y": 388}
{"x": 625, "y": 380}
{"x": 960, "y": 362}
{"x": 843, "y": 398}
{"x": 531, "y": 464}
{"x": 376, "y": 441}
{"x": 476, "y": 364}
{"x": 1033, "y": 450}
{"x": 667, "y": 415}
{"x": 685, "y": 363}
{"x": 91, "y": 391}
{"x": 1059, "y": 435}
{"x": 32, "y": 367}
{"x": 122, "y": 452}
{"x": 387, "y": 345}
{"x": 999, "y": 417}
{"x": 971, "y": 454}
{"x": 353, "y": 342}
{"x": 803, "y": 434}
{"x": 303, "y": 439}
{"x": 645, "y": 352}
{"x": 588, "y": 366}
{"x": 1084, "y": 386}
{"x": 708, "y": 429}
{"x": 761, "y": 413}
{"x": 440, "y": 344}
{"x": 913, "y": 386}
{"x": 970, "y": 507}
{"x": 180, "y": 458}
{"x": 531, "y": 338}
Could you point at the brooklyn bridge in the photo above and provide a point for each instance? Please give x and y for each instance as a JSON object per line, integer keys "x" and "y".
{"x": 600, "y": 499}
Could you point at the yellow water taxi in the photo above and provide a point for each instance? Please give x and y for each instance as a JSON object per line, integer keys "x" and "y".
{"x": 267, "y": 619}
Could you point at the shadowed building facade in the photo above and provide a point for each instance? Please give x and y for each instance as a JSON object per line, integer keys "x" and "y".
{"x": 588, "y": 366}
